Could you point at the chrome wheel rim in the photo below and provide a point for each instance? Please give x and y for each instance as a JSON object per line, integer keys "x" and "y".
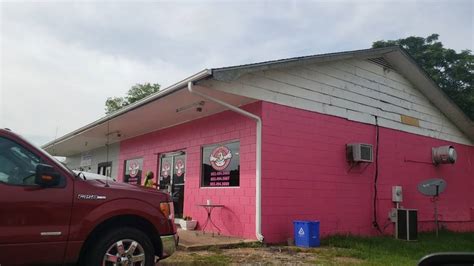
{"x": 125, "y": 252}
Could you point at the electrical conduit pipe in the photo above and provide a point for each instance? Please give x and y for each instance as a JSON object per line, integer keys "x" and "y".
{"x": 258, "y": 161}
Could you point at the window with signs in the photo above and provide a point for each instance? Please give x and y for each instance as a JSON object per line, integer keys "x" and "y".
{"x": 133, "y": 171}
{"x": 221, "y": 165}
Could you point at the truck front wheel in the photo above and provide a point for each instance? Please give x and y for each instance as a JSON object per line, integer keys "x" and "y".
{"x": 122, "y": 246}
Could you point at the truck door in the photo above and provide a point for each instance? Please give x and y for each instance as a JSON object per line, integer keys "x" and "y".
{"x": 34, "y": 220}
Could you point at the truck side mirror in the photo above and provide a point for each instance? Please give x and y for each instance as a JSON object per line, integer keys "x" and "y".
{"x": 46, "y": 176}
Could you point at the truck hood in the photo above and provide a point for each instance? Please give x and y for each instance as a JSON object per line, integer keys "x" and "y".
{"x": 122, "y": 190}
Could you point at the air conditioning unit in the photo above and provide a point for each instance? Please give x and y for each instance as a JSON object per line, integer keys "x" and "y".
{"x": 359, "y": 152}
{"x": 406, "y": 224}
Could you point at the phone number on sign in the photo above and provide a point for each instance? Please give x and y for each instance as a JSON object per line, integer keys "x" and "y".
{"x": 217, "y": 184}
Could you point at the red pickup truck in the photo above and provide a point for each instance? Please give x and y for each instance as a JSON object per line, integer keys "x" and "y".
{"x": 50, "y": 215}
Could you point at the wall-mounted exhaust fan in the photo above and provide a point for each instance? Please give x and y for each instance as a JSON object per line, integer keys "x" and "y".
{"x": 444, "y": 154}
{"x": 359, "y": 152}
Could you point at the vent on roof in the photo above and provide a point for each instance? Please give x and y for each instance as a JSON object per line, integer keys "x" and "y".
{"x": 381, "y": 62}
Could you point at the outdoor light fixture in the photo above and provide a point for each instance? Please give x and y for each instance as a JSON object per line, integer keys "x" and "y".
{"x": 198, "y": 106}
{"x": 116, "y": 133}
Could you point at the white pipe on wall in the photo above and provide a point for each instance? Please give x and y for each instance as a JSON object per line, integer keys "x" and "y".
{"x": 258, "y": 161}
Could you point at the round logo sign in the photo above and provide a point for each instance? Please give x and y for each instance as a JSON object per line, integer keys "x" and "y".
{"x": 133, "y": 169}
{"x": 179, "y": 166}
{"x": 220, "y": 158}
{"x": 165, "y": 169}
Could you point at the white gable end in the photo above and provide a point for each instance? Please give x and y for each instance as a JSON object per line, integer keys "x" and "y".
{"x": 355, "y": 89}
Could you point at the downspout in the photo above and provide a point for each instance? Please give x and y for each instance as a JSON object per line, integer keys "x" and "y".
{"x": 258, "y": 161}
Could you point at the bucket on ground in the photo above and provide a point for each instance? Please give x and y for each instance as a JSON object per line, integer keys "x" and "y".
{"x": 306, "y": 233}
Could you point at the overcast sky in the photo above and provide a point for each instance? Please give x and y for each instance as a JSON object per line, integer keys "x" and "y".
{"x": 61, "y": 60}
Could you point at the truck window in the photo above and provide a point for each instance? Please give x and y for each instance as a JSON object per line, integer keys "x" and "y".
{"x": 17, "y": 164}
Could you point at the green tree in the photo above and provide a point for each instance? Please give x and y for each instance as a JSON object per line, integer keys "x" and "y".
{"x": 135, "y": 93}
{"x": 452, "y": 71}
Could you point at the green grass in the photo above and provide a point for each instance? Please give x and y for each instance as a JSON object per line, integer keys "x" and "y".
{"x": 334, "y": 250}
{"x": 389, "y": 251}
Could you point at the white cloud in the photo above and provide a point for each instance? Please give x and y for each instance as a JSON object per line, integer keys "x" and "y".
{"x": 60, "y": 61}
{"x": 49, "y": 84}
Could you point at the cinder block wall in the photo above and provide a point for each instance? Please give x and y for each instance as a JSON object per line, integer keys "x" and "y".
{"x": 305, "y": 173}
{"x": 306, "y": 176}
{"x": 238, "y": 216}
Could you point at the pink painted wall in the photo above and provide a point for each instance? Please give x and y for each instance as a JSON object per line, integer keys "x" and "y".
{"x": 238, "y": 217}
{"x": 306, "y": 176}
{"x": 305, "y": 173}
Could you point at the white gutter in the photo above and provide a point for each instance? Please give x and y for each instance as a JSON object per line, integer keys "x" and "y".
{"x": 258, "y": 161}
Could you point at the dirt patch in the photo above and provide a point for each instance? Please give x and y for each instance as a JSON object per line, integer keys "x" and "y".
{"x": 261, "y": 256}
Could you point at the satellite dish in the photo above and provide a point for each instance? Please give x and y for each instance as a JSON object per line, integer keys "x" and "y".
{"x": 432, "y": 187}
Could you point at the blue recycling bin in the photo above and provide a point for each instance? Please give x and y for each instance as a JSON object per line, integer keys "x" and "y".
{"x": 306, "y": 233}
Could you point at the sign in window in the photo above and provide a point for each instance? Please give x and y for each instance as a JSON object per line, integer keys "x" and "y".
{"x": 133, "y": 171}
{"x": 221, "y": 165}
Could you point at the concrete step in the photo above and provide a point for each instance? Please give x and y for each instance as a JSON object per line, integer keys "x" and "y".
{"x": 199, "y": 240}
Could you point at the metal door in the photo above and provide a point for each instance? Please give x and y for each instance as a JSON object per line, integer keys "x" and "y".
{"x": 172, "y": 177}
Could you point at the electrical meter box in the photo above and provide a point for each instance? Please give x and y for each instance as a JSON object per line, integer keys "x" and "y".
{"x": 397, "y": 195}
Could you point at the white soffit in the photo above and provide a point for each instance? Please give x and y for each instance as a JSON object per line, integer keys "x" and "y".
{"x": 156, "y": 115}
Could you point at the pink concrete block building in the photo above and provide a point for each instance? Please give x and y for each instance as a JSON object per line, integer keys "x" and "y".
{"x": 268, "y": 143}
